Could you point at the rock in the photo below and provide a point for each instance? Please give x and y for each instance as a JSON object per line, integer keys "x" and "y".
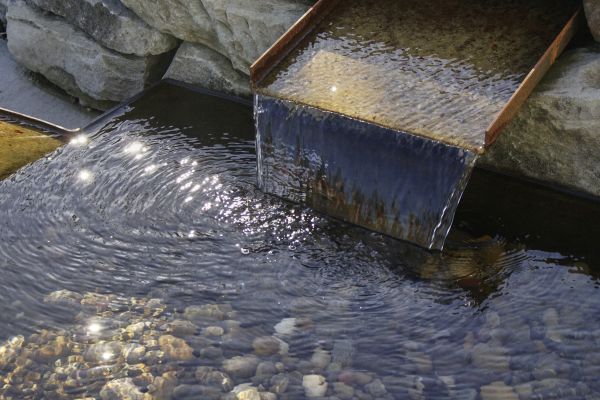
{"x": 268, "y": 396}
{"x": 264, "y": 372}
{"x": 355, "y": 377}
{"x": 343, "y": 391}
{"x": 240, "y": 30}
{"x": 199, "y": 65}
{"x": 133, "y": 353}
{"x": 211, "y": 377}
{"x": 163, "y": 386}
{"x": 197, "y": 392}
{"x": 592, "y": 12}
{"x": 135, "y": 330}
{"x": 103, "y": 352}
{"x": 279, "y": 383}
{"x": 187, "y": 20}
{"x": 554, "y": 136}
{"x": 376, "y": 388}
{"x": 285, "y": 327}
{"x": 175, "y": 348}
{"x": 498, "y": 391}
{"x": 72, "y": 60}
{"x": 249, "y": 394}
{"x": 207, "y": 312}
{"x": 181, "y": 328}
{"x": 241, "y": 366}
{"x": 121, "y": 389}
{"x": 320, "y": 359}
{"x": 64, "y": 297}
{"x": 213, "y": 331}
{"x": 112, "y": 25}
{"x": 490, "y": 357}
{"x": 243, "y": 31}
{"x": 266, "y": 345}
{"x": 314, "y": 385}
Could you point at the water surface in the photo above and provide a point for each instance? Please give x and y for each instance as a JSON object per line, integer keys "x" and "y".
{"x": 156, "y": 218}
{"x": 442, "y": 69}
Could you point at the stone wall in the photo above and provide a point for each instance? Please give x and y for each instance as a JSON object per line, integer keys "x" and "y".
{"x": 104, "y": 51}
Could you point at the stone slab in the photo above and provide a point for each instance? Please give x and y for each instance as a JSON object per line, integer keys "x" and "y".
{"x": 72, "y": 60}
{"x": 111, "y": 24}
{"x": 201, "y": 66}
{"x": 23, "y": 92}
{"x": 556, "y": 136}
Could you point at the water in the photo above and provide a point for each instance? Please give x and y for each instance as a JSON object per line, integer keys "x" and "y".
{"x": 438, "y": 69}
{"x": 161, "y": 203}
{"x": 403, "y": 185}
{"x": 378, "y": 115}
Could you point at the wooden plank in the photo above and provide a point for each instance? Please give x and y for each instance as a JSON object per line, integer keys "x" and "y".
{"x": 278, "y": 51}
{"x": 533, "y": 78}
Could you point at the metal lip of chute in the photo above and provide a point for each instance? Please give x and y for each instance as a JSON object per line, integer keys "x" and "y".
{"x": 269, "y": 60}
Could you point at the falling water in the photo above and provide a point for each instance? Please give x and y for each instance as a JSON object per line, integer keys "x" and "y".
{"x": 378, "y": 115}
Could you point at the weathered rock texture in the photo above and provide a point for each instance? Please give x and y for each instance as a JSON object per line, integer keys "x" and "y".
{"x": 112, "y": 25}
{"x": 240, "y": 30}
{"x": 72, "y": 60}
{"x": 556, "y": 136}
{"x": 202, "y": 66}
{"x": 592, "y": 11}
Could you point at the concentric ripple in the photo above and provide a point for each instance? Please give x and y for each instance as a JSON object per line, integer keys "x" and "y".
{"x": 160, "y": 202}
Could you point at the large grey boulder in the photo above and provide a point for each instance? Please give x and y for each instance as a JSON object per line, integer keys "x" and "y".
{"x": 592, "y": 11}
{"x": 73, "y": 61}
{"x": 240, "y": 30}
{"x": 112, "y": 25}
{"x": 556, "y": 135}
{"x": 198, "y": 65}
{"x": 187, "y": 20}
{"x": 246, "y": 29}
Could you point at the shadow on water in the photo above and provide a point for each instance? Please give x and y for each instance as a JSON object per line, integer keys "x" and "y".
{"x": 155, "y": 218}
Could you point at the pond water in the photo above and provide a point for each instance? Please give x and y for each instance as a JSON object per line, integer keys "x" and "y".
{"x": 141, "y": 261}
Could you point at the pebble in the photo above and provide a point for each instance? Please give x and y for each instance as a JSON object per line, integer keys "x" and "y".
{"x": 376, "y": 388}
{"x": 343, "y": 391}
{"x": 241, "y": 366}
{"x": 314, "y": 385}
{"x": 119, "y": 389}
{"x": 175, "y": 348}
{"x": 320, "y": 359}
{"x": 213, "y": 331}
{"x": 498, "y": 391}
{"x": 249, "y": 394}
{"x": 267, "y": 345}
{"x": 286, "y": 327}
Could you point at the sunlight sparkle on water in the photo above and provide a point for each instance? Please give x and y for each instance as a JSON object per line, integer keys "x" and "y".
{"x": 85, "y": 175}
{"x": 80, "y": 140}
{"x": 94, "y": 328}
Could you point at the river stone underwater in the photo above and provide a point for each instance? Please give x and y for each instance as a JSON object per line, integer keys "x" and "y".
{"x": 142, "y": 262}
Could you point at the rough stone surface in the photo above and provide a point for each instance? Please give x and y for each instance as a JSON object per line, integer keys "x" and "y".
{"x": 112, "y": 25}
{"x": 244, "y": 32}
{"x": 199, "y": 65}
{"x": 555, "y": 137}
{"x": 241, "y": 30}
{"x": 592, "y": 12}
{"x": 73, "y": 61}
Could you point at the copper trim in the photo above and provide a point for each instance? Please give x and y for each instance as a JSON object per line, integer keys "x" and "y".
{"x": 290, "y": 40}
{"x": 533, "y": 78}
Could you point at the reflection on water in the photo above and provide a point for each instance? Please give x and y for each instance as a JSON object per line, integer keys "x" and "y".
{"x": 171, "y": 275}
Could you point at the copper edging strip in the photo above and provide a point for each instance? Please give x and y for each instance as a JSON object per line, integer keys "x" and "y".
{"x": 532, "y": 79}
{"x": 286, "y": 43}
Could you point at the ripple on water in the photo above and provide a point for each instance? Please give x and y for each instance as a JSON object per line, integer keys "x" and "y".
{"x": 172, "y": 214}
